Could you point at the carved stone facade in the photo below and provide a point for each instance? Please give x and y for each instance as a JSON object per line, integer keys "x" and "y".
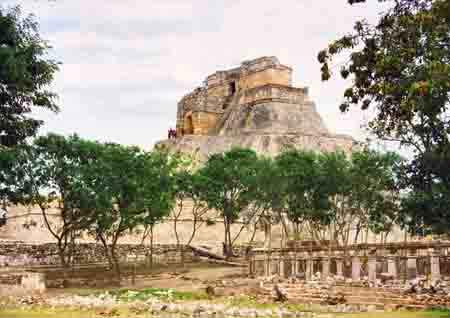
{"x": 200, "y": 110}
{"x": 254, "y": 106}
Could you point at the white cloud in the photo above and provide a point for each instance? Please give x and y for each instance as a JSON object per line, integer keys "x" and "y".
{"x": 128, "y": 62}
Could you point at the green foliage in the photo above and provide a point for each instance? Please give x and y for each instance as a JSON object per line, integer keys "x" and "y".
{"x": 50, "y": 174}
{"x": 133, "y": 189}
{"x": 426, "y": 204}
{"x": 169, "y": 294}
{"x": 374, "y": 189}
{"x": 229, "y": 186}
{"x": 332, "y": 191}
{"x": 25, "y": 75}
{"x": 188, "y": 186}
{"x": 400, "y": 67}
{"x": 303, "y": 196}
{"x": 8, "y": 181}
{"x": 105, "y": 189}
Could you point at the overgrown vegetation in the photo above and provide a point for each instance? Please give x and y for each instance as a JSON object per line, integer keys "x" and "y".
{"x": 400, "y": 68}
{"x": 26, "y": 73}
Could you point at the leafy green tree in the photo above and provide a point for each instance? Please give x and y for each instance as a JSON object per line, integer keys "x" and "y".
{"x": 158, "y": 190}
{"x": 49, "y": 174}
{"x": 425, "y": 205}
{"x": 117, "y": 180}
{"x": 25, "y": 75}
{"x": 362, "y": 192}
{"x": 336, "y": 182}
{"x": 8, "y": 183}
{"x": 303, "y": 198}
{"x": 229, "y": 177}
{"x": 188, "y": 188}
{"x": 374, "y": 198}
{"x": 267, "y": 198}
{"x": 400, "y": 67}
{"x": 133, "y": 189}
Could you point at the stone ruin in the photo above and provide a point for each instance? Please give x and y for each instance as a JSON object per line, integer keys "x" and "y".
{"x": 414, "y": 275}
{"x": 254, "y": 106}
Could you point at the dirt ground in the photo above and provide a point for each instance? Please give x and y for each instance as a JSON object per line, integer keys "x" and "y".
{"x": 191, "y": 279}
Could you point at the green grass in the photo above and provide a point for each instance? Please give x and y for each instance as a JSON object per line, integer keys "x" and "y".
{"x": 163, "y": 293}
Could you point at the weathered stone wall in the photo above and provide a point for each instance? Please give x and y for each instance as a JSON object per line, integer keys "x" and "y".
{"x": 26, "y": 224}
{"x": 203, "y": 121}
{"x": 22, "y": 254}
{"x": 266, "y": 144}
{"x": 279, "y": 119}
{"x": 271, "y": 75}
{"x": 274, "y": 92}
{"x": 251, "y": 68}
{"x": 264, "y": 113}
{"x": 199, "y": 111}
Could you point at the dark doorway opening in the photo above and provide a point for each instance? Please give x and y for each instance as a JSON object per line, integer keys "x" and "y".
{"x": 188, "y": 125}
{"x": 232, "y": 88}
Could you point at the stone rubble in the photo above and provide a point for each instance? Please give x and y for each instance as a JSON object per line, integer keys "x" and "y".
{"x": 109, "y": 303}
{"x": 418, "y": 293}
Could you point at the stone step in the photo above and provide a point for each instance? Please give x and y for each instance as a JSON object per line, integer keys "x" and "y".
{"x": 318, "y": 297}
{"x": 345, "y": 293}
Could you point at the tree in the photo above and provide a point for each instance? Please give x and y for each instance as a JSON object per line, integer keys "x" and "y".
{"x": 303, "y": 198}
{"x": 25, "y": 75}
{"x": 268, "y": 199}
{"x": 401, "y": 68}
{"x": 374, "y": 198}
{"x": 425, "y": 205}
{"x": 50, "y": 174}
{"x": 229, "y": 178}
{"x": 117, "y": 180}
{"x": 158, "y": 193}
{"x": 335, "y": 177}
{"x": 7, "y": 180}
{"x": 188, "y": 188}
{"x": 133, "y": 189}
{"x": 362, "y": 192}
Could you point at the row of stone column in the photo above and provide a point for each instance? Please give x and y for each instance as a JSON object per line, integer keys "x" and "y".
{"x": 411, "y": 266}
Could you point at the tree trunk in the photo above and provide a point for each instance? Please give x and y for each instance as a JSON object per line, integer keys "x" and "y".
{"x": 151, "y": 246}
{"x": 62, "y": 253}
{"x": 115, "y": 261}
{"x": 229, "y": 242}
{"x": 106, "y": 250}
{"x": 252, "y": 238}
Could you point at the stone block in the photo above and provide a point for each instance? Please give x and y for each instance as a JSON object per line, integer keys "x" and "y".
{"x": 33, "y": 282}
{"x": 356, "y": 268}
{"x": 372, "y": 269}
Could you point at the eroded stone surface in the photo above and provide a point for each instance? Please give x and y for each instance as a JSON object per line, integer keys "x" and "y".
{"x": 254, "y": 107}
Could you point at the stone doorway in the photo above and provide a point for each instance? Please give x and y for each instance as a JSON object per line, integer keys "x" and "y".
{"x": 188, "y": 125}
{"x": 232, "y": 88}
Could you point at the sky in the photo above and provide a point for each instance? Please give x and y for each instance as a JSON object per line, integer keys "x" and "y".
{"x": 126, "y": 63}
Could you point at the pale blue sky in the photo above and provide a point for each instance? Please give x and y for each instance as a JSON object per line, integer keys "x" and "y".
{"x": 126, "y": 63}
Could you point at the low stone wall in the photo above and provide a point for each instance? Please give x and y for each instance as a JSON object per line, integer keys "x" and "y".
{"x": 21, "y": 254}
{"x": 10, "y": 279}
